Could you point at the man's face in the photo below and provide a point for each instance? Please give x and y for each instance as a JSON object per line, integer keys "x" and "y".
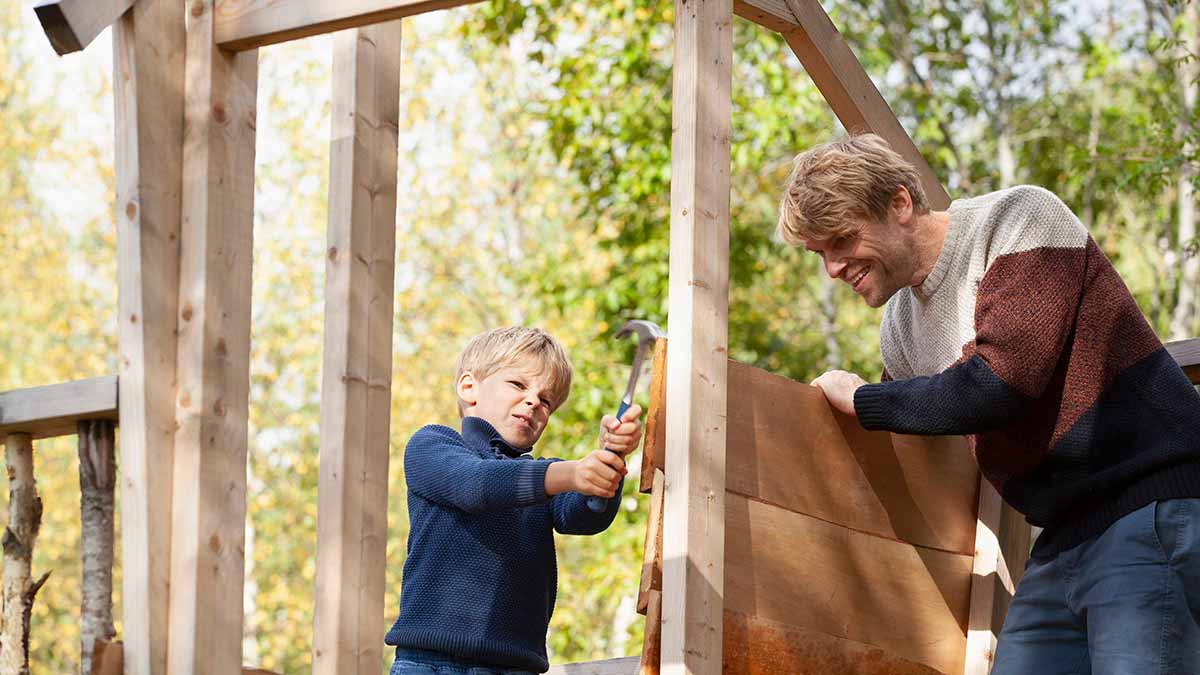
{"x": 516, "y": 400}
{"x": 876, "y": 261}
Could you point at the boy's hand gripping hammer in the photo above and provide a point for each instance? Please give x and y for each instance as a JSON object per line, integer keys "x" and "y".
{"x": 646, "y": 333}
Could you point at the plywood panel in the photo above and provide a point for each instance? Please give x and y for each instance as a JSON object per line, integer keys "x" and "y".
{"x": 800, "y": 571}
{"x": 787, "y": 447}
{"x": 755, "y": 646}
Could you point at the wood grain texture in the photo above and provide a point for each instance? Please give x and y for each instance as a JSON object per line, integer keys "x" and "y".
{"x": 696, "y": 361}
{"x": 149, "y": 45}
{"x": 625, "y": 665}
{"x": 651, "y": 662}
{"x": 56, "y": 409}
{"x": 1187, "y": 354}
{"x": 248, "y": 24}
{"x": 71, "y": 25}
{"x": 757, "y": 646}
{"x": 791, "y": 568}
{"x": 651, "y": 579}
{"x": 213, "y": 362}
{"x": 357, "y": 368}
{"x": 656, "y": 411}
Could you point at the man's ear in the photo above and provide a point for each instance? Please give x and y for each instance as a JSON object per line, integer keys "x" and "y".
{"x": 902, "y": 207}
{"x": 468, "y": 389}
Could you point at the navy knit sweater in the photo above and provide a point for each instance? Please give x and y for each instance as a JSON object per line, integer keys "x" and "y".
{"x": 481, "y": 575}
{"x": 1024, "y": 337}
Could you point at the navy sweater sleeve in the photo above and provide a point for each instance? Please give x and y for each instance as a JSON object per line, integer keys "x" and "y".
{"x": 439, "y": 466}
{"x": 572, "y": 515}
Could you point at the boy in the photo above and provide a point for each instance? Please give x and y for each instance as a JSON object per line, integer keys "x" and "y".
{"x": 480, "y": 579}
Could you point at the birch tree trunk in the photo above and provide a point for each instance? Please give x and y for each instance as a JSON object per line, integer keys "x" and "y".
{"x": 97, "y": 480}
{"x": 1187, "y": 70}
{"x": 24, "y": 519}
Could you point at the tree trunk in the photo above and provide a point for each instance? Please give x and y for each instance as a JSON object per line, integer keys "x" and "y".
{"x": 1183, "y": 319}
{"x": 24, "y": 519}
{"x": 97, "y": 479}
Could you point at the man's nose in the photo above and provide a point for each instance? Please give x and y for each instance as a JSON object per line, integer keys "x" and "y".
{"x": 834, "y": 266}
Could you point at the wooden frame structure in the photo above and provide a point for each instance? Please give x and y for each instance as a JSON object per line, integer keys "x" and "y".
{"x": 184, "y": 206}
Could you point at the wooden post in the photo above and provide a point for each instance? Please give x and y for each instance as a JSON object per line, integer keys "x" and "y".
{"x": 694, "y": 542}
{"x": 213, "y": 361}
{"x": 356, "y": 381}
{"x": 97, "y": 477}
{"x": 24, "y": 519}
{"x": 148, "y": 56}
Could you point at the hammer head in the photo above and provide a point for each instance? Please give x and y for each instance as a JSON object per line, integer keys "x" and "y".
{"x": 645, "y": 330}
{"x": 647, "y": 333}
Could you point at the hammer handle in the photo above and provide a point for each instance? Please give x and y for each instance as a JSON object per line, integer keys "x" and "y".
{"x": 598, "y": 504}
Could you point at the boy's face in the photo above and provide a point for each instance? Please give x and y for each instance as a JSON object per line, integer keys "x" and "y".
{"x": 516, "y": 400}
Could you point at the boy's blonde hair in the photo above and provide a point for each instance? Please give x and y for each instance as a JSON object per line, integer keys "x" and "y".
{"x": 502, "y": 347}
{"x": 834, "y": 187}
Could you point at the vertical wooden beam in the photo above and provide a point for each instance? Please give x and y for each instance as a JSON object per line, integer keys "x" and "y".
{"x": 694, "y": 540}
{"x": 849, "y": 90}
{"x": 1002, "y": 539}
{"x": 148, "y": 56}
{"x": 356, "y": 374}
{"x": 213, "y": 363}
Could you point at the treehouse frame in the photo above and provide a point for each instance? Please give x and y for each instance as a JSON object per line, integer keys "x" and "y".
{"x": 185, "y": 130}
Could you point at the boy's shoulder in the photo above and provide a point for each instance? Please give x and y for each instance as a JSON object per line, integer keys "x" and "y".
{"x": 435, "y": 433}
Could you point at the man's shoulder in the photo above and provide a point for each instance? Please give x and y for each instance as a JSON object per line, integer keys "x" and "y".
{"x": 1018, "y": 219}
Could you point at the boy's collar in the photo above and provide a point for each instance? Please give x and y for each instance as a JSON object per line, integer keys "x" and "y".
{"x": 479, "y": 433}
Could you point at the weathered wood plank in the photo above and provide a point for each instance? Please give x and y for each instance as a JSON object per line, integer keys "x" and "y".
{"x": 655, "y": 441}
{"x": 797, "y": 570}
{"x": 213, "y": 363}
{"x": 651, "y": 579}
{"x": 626, "y": 665}
{"x": 248, "y": 24}
{"x": 840, "y": 78}
{"x": 356, "y": 374}
{"x": 149, "y": 44}
{"x": 1187, "y": 354}
{"x": 693, "y": 546}
{"x": 56, "y": 409}
{"x": 71, "y": 25}
{"x": 1002, "y": 542}
{"x": 786, "y": 446}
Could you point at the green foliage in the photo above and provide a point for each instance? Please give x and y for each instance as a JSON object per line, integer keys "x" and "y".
{"x": 535, "y": 173}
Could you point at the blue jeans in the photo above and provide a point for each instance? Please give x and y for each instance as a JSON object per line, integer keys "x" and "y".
{"x": 1126, "y": 602}
{"x": 424, "y": 662}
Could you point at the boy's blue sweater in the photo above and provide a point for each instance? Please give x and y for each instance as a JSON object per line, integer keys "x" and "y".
{"x": 481, "y": 575}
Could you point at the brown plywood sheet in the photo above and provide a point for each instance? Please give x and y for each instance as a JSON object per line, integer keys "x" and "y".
{"x": 821, "y": 577}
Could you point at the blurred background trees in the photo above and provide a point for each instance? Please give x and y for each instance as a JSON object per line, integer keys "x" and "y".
{"x": 534, "y": 184}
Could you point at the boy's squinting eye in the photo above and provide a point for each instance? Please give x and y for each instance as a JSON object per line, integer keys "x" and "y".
{"x": 517, "y": 383}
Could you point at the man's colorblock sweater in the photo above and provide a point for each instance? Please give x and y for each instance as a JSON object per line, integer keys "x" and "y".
{"x": 1024, "y": 337}
{"x": 481, "y": 575}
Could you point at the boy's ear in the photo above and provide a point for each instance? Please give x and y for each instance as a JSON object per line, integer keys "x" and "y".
{"x": 468, "y": 389}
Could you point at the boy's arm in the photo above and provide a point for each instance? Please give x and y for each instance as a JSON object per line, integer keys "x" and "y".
{"x": 572, "y": 516}
{"x": 439, "y": 467}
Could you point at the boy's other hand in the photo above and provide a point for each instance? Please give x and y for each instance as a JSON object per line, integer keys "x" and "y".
{"x": 622, "y": 436}
{"x": 598, "y": 474}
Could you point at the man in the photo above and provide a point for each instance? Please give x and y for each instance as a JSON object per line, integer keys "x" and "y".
{"x": 1006, "y": 323}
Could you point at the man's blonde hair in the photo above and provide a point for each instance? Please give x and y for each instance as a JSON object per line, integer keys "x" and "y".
{"x": 834, "y": 187}
{"x": 502, "y": 347}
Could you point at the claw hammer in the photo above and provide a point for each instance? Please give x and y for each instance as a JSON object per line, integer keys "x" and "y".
{"x": 647, "y": 333}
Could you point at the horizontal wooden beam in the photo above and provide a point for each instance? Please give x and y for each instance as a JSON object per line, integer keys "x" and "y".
{"x": 841, "y": 79}
{"x": 247, "y": 24}
{"x": 626, "y": 665}
{"x": 1187, "y": 355}
{"x": 54, "y": 410}
{"x": 71, "y": 25}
